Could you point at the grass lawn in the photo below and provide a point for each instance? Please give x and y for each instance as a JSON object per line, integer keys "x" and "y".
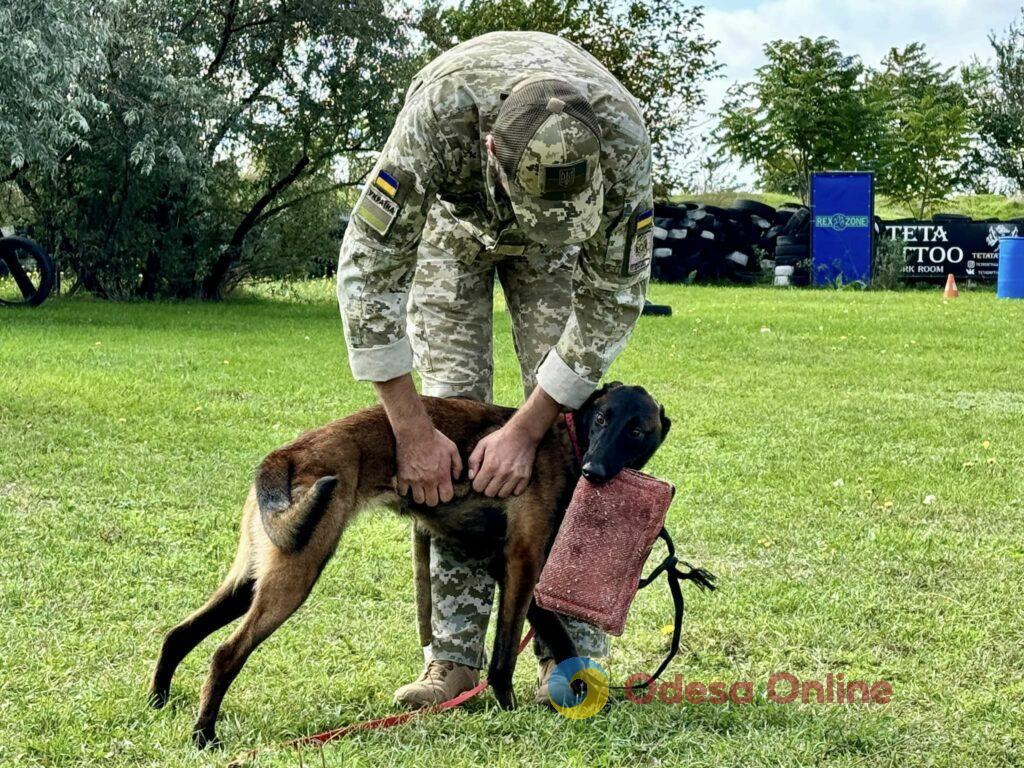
{"x": 849, "y": 464}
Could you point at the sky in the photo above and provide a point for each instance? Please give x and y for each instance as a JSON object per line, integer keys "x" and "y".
{"x": 952, "y": 30}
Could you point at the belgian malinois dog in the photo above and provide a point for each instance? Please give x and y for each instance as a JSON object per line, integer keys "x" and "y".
{"x": 307, "y": 492}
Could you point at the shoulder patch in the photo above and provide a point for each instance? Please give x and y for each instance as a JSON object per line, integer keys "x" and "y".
{"x": 387, "y": 183}
{"x": 639, "y": 242}
{"x": 377, "y": 210}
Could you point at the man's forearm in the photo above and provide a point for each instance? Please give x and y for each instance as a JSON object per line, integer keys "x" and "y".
{"x": 403, "y": 406}
{"x": 537, "y": 414}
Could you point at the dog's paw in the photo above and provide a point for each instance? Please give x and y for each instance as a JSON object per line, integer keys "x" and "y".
{"x": 205, "y": 738}
{"x": 158, "y": 697}
{"x": 505, "y": 696}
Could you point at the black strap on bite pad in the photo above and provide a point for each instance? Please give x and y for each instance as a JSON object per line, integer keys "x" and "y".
{"x": 670, "y": 567}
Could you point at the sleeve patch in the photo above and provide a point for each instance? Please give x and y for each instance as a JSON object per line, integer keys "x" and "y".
{"x": 386, "y": 182}
{"x": 377, "y": 210}
{"x": 639, "y": 243}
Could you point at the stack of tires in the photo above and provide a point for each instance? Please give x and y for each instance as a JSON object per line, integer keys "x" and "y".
{"x": 697, "y": 242}
{"x": 791, "y": 262}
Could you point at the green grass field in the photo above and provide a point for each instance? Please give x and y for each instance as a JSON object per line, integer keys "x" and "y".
{"x": 849, "y": 464}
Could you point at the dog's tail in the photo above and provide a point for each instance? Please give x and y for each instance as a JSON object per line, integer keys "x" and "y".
{"x": 289, "y": 524}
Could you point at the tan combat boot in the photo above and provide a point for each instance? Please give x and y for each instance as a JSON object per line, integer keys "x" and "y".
{"x": 544, "y": 669}
{"x": 440, "y": 681}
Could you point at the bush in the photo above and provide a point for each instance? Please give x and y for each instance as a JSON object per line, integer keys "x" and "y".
{"x": 890, "y": 260}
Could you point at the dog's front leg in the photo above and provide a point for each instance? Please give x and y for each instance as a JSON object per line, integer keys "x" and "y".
{"x": 552, "y": 633}
{"x": 522, "y": 569}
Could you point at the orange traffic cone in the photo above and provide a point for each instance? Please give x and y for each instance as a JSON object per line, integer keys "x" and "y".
{"x": 951, "y": 291}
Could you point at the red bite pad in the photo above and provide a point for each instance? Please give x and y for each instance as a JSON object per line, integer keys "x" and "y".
{"x": 599, "y": 552}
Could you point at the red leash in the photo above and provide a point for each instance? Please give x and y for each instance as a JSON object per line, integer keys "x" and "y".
{"x": 382, "y": 722}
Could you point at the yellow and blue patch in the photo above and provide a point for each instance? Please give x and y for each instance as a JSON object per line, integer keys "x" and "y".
{"x": 387, "y": 183}
{"x": 639, "y": 242}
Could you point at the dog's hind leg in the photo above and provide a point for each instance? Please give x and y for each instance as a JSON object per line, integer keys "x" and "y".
{"x": 279, "y": 593}
{"x": 230, "y": 601}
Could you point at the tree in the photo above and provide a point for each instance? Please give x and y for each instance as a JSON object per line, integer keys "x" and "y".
{"x": 805, "y": 112}
{"x": 47, "y": 52}
{"x": 217, "y": 118}
{"x": 657, "y": 49}
{"x": 1001, "y": 106}
{"x": 924, "y": 129}
{"x": 709, "y": 169}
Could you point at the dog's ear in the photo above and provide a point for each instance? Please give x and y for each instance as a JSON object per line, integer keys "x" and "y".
{"x": 666, "y": 424}
{"x": 597, "y": 394}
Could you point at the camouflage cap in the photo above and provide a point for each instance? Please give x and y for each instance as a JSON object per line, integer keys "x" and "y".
{"x": 548, "y": 145}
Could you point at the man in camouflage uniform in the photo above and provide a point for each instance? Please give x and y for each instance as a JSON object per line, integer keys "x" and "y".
{"x": 517, "y": 155}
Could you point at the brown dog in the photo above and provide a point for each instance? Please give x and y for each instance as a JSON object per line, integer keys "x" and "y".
{"x": 307, "y": 492}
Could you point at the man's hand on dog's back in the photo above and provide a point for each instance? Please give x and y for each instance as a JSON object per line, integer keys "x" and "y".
{"x": 502, "y": 463}
{"x": 427, "y": 463}
{"x": 427, "y": 460}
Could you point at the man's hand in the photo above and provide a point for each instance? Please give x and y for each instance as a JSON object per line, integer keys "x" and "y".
{"x": 502, "y": 462}
{"x": 427, "y": 462}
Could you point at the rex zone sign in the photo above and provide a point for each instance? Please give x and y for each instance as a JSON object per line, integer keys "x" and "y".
{"x": 963, "y": 248}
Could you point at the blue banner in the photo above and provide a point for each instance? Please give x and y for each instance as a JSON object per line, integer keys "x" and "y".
{"x": 842, "y": 227}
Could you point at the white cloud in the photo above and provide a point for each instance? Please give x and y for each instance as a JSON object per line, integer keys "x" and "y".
{"x": 954, "y": 31}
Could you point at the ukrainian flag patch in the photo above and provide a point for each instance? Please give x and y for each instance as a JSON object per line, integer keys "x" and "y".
{"x": 386, "y": 183}
{"x": 639, "y": 243}
{"x": 377, "y": 210}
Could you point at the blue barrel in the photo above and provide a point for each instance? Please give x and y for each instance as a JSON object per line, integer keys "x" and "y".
{"x": 1011, "y": 268}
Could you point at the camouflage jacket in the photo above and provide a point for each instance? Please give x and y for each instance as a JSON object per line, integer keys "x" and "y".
{"x": 436, "y": 155}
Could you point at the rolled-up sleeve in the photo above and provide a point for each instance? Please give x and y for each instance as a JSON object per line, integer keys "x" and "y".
{"x": 378, "y": 252}
{"x": 609, "y": 284}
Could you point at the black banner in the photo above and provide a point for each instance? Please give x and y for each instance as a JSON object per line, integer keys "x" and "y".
{"x": 965, "y": 249}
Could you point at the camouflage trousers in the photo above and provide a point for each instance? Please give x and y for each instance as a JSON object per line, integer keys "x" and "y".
{"x": 450, "y": 327}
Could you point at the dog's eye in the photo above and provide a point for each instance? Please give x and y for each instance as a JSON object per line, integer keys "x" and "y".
{"x": 638, "y": 433}
{"x": 599, "y": 419}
